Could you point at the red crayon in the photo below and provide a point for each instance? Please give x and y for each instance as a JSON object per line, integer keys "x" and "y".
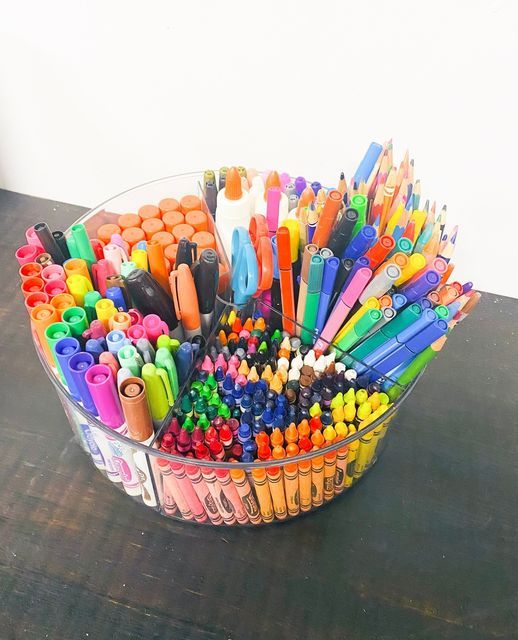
{"x": 225, "y": 436}
{"x": 216, "y": 450}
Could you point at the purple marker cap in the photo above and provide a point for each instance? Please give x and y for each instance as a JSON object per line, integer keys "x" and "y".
{"x": 468, "y": 286}
{"x": 420, "y": 287}
{"x": 101, "y": 385}
{"x": 285, "y": 179}
{"x": 78, "y": 365}
{"x": 64, "y": 350}
{"x": 316, "y": 186}
{"x": 300, "y": 185}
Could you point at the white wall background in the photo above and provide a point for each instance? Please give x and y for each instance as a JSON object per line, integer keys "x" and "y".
{"x": 99, "y": 95}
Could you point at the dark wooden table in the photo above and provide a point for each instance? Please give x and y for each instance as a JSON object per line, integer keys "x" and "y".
{"x": 425, "y": 547}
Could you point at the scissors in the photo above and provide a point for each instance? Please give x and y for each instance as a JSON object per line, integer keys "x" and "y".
{"x": 245, "y": 268}
{"x": 262, "y": 244}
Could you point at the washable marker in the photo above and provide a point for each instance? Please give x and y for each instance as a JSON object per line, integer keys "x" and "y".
{"x": 78, "y": 365}
{"x": 285, "y": 278}
{"x": 331, "y": 267}
{"x": 421, "y": 286}
{"x": 150, "y": 298}
{"x": 359, "y": 329}
{"x": 315, "y": 275}
{"x": 398, "y": 301}
{"x": 412, "y": 347}
{"x": 64, "y": 349}
{"x": 343, "y": 307}
{"x": 380, "y": 250}
{"x": 115, "y": 294}
{"x": 360, "y": 242}
{"x": 115, "y": 340}
{"x": 416, "y": 262}
{"x": 371, "y": 359}
{"x": 327, "y": 218}
{"x": 90, "y": 300}
{"x": 75, "y": 319}
{"x": 404, "y": 319}
{"x": 381, "y": 283}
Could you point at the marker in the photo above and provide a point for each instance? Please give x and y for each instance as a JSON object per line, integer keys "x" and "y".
{"x": 150, "y": 298}
{"x": 185, "y": 300}
{"x": 286, "y": 279}
{"x": 331, "y": 267}
{"x": 158, "y": 391}
{"x": 315, "y": 275}
{"x": 360, "y": 242}
{"x": 309, "y": 251}
{"x": 343, "y": 307}
{"x": 381, "y": 283}
{"x": 327, "y": 218}
{"x": 206, "y": 279}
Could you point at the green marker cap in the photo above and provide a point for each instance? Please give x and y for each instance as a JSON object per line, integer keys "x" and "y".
{"x": 91, "y": 298}
{"x": 79, "y": 244}
{"x": 164, "y": 360}
{"x": 127, "y": 268}
{"x": 359, "y": 202}
{"x": 169, "y": 343}
{"x": 75, "y": 318}
{"x": 442, "y": 311}
{"x": 316, "y": 272}
{"x": 158, "y": 390}
{"x": 129, "y": 357}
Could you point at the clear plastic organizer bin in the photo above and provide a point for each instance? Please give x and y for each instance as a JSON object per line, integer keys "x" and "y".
{"x": 207, "y": 491}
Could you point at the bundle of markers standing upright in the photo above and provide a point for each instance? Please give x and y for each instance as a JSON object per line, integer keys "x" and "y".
{"x": 254, "y": 392}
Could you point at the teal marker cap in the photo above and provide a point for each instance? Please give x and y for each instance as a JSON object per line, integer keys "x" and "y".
{"x": 316, "y": 272}
{"x": 405, "y": 245}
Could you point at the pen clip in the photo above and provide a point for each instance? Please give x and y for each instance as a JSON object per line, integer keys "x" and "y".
{"x": 173, "y": 283}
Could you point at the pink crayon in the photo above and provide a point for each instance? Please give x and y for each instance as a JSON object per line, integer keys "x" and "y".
{"x": 230, "y": 493}
{"x": 202, "y": 491}
{"x": 172, "y": 493}
{"x": 207, "y": 365}
{"x": 221, "y": 362}
{"x": 188, "y": 492}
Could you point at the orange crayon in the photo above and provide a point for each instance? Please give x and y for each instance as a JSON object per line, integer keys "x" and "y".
{"x": 246, "y": 495}
{"x": 263, "y": 494}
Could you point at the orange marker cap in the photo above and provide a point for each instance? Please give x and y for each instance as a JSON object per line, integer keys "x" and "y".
{"x": 105, "y": 232}
{"x": 185, "y": 298}
{"x": 204, "y": 240}
{"x": 170, "y": 253}
{"x": 164, "y": 238}
{"x": 233, "y": 187}
{"x": 127, "y": 220}
{"x": 385, "y": 301}
{"x": 197, "y": 219}
{"x": 183, "y": 231}
{"x": 30, "y": 270}
{"x": 327, "y": 218}
{"x": 190, "y": 203}
{"x": 132, "y": 235}
{"x": 171, "y": 219}
{"x": 157, "y": 263}
{"x": 32, "y": 285}
{"x": 273, "y": 180}
{"x": 62, "y": 302}
{"x": 168, "y": 204}
{"x": 150, "y": 226}
{"x": 149, "y": 211}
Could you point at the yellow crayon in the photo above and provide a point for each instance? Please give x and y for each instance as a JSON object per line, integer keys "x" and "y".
{"x": 244, "y": 491}
{"x": 329, "y": 434}
{"x": 317, "y": 480}
{"x": 274, "y": 476}
{"x": 263, "y": 494}
{"x": 351, "y": 457}
{"x": 349, "y": 412}
{"x": 361, "y": 396}
{"x": 341, "y": 457}
{"x": 305, "y": 485}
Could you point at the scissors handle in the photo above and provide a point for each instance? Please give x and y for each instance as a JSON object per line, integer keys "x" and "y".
{"x": 245, "y": 270}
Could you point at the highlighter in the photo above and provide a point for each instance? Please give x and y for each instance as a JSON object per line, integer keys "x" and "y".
{"x": 158, "y": 391}
{"x": 76, "y": 320}
{"x": 78, "y": 244}
{"x": 53, "y": 334}
{"x": 139, "y": 257}
{"x": 343, "y": 307}
{"x": 129, "y": 358}
{"x": 101, "y": 270}
{"x": 185, "y": 300}
{"x": 331, "y": 267}
{"x": 149, "y": 297}
{"x": 381, "y": 282}
{"x": 91, "y": 299}
{"x": 164, "y": 360}
{"x": 78, "y": 365}
{"x": 315, "y": 275}
{"x": 79, "y": 286}
{"x": 101, "y": 384}
{"x": 77, "y": 267}
{"x": 64, "y": 349}
{"x": 42, "y": 317}
{"x": 327, "y": 218}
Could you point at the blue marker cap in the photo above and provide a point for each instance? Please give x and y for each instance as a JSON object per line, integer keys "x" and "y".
{"x": 64, "y": 350}
{"x": 420, "y": 287}
{"x": 78, "y": 365}
{"x": 275, "y": 257}
{"x": 94, "y": 348}
{"x": 367, "y": 164}
{"x": 425, "y": 319}
{"x": 360, "y": 243}
{"x": 116, "y": 294}
{"x": 300, "y": 185}
{"x": 142, "y": 245}
{"x": 331, "y": 266}
{"x": 183, "y": 360}
{"x": 398, "y": 301}
{"x": 116, "y": 340}
{"x": 425, "y": 304}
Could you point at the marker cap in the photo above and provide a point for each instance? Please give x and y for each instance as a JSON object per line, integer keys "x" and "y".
{"x": 78, "y": 365}
{"x": 331, "y": 267}
{"x": 316, "y": 272}
{"x": 132, "y": 392}
{"x": 381, "y": 282}
{"x": 55, "y": 287}
{"x": 101, "y": 384}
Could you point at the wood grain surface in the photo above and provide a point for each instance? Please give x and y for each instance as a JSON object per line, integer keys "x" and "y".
{"x": 425, "y": 547}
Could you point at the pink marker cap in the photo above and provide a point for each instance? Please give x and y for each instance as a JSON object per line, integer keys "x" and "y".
{"x": 154, "y": 326}
{"x": 27, "y": 253}
{"x": 135, "y": 332}
{"x": 53, "y": 272}
{"x": 56, "y": 286}
{"x": 36, "y": 298}
{"x": 101, "y": 385}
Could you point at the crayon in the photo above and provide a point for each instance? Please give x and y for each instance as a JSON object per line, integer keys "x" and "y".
{"x": 263, "y": 494}
{"x": 246, "y": 495}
